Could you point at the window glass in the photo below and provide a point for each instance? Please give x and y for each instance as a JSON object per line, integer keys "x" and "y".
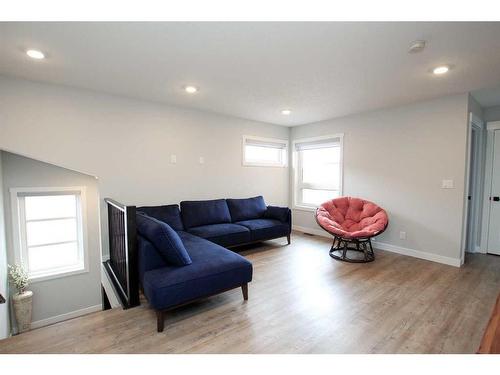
{"x": 264, "y": 152}
{"x": 51, "y": 231}
{"x": 318, "y": 171}
{"x": 50, "y": 225}
{"x": 316, "y": 197}
{"x": 43, "y": 258}
{"x": 50, "y": 206}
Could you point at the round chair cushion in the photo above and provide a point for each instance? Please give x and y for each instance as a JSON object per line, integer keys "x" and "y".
{"x": 349, "y": 217}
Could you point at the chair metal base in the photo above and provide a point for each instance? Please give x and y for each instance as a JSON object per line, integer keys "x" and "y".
{"x": 352, "y": 250}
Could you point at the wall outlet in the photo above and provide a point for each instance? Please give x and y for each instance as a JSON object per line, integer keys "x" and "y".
{"x": 402, "y": 235}
{"x": 447, "y": 184}
{"x": 202, "y": 160}
{"x": 173, "y": 159}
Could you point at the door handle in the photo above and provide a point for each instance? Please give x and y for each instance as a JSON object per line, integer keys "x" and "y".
{"x": 2, "y": 300}
{"x": 495, "y": 199}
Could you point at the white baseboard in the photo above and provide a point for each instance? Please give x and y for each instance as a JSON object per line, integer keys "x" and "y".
{"x": 66, "y": 316}
{"x": 392, "y": 248}
{"x": 316, "y": 232}
{"x": 456, "y": 262}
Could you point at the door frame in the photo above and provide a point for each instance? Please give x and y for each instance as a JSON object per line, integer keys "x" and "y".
{"x": 475, "y": 123}
{"x": 491, "y": 127}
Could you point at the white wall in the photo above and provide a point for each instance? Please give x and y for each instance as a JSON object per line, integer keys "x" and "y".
{"x": 492, "y": 114}
{"x": 127, "y": 143}
{"x": 475, "y": 107}
{"x": 397, "y": 158}
{"x": 69, "y": 294}
{"x": 4, "y": 316}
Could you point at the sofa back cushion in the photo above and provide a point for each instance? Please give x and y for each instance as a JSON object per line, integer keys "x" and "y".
{"x": 277, "y": 213}
{"x": 169, "y": 214}
{"x": 246, "y": 209}
{"x": 164, "y": 239}
{"x": 196, "y": 213}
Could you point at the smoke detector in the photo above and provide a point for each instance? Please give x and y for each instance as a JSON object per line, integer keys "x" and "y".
{"x": 417, "y": 46}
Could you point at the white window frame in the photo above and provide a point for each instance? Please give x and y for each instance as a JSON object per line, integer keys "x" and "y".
{"x": 295, "y": 164}
{"x": 19, "y": 230}
{"x": 282, "y": 164}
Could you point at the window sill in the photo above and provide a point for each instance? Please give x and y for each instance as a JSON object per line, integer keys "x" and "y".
{"x": 66, "y": 272}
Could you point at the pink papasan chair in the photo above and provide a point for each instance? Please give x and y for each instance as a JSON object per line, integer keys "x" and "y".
{"x": 352, "y": 222}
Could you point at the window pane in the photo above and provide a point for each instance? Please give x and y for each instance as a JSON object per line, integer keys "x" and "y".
{"x": 322, "y": 155}
{"x": 51, "y": 231}
{"x": 321, "y": 167}
{"x": 261, "y": 154}
{"x": 52, "y": 256}
{"x": 50, "y": 206}
{"x": 316, "y": 197}
{"x": 322, "y": 174}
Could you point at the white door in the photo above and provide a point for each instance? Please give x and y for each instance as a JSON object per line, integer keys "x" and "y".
{"x": 494, "y": 227}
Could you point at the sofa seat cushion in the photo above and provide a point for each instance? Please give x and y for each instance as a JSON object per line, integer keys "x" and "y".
{"x": 246, "y": 209}
{"x": 164, "y": 239}
{"x": 197, "y": 213}
{"x": 265, "y": 229}
{"x": 214, "y": 269}
{"x": 223, "y": 234}
{"x": 169, "y": 214}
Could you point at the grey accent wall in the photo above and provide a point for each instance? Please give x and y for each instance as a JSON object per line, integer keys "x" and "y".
{"x": 4, "y": 316}
{"x": 70, "y": 293}
{"x": 397, "y": 158}
{"x": 127, "y": 144}
{"x": 492, "y": 114}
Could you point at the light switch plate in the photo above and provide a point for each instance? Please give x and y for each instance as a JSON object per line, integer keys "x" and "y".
{"x": 202, "y": 160}
{"x": 447, "y": 184}
{"x": 173, "y": 159}
{"x": 402, "y": 235}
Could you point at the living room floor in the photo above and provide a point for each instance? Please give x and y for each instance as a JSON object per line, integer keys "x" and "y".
{"x": 302, "y": 301}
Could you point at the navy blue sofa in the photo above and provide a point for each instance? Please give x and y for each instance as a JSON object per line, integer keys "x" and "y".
{"x": 205, "y": 229}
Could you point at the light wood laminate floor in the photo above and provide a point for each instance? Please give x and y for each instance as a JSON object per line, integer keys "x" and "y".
{"x": 302, "y": 301}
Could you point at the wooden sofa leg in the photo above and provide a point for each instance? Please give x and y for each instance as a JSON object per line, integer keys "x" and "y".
{"x": 244, "y": 289}
{"x": 160, "y": 321}
{"x": 288, "y": 239}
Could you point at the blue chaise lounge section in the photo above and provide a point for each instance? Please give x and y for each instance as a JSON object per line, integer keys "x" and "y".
{"x": 205, "y": 229}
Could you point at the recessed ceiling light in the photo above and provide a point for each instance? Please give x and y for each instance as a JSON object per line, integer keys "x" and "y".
{"x": 191, "y": 89}
{"x": 35, "y": 54}
{"x": 286, "y": 112}
{"x": 443, "y": 69}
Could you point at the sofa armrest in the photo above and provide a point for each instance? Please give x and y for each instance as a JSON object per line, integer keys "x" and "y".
{"x": 283, "y": 214}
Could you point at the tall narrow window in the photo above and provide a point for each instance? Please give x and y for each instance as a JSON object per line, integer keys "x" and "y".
{"x": 264, "y": 152}
{"x": 318, "y": 170}
{"x": 49, "y": 230}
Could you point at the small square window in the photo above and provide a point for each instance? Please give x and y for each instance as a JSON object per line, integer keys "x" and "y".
{"x": 50, "y": 231}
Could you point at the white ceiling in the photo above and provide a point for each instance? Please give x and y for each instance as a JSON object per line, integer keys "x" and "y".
{"x": 253, "y": 70}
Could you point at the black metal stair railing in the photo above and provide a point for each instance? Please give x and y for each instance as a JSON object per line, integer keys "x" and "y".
{"x": 122, "y": 264}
